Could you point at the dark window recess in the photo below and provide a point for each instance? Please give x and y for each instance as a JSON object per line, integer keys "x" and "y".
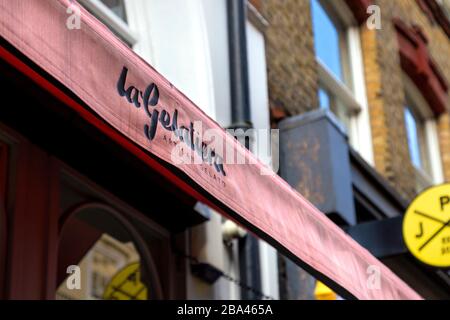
{"x": 118, "y": 7}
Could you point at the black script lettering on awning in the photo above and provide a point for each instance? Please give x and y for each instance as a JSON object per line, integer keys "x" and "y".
{"x": 149, "y": 100}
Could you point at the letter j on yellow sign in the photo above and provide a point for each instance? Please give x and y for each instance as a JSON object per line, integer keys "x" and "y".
{"x": 426, "y": 226}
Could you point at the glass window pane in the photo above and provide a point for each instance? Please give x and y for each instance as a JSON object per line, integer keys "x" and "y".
{"x": 413, "y": 138}
{"x": 116, "y": 6}
{"x": 326, "y": 39}
{"x": 108, "y": 260}
{"x": 324, "y": 99}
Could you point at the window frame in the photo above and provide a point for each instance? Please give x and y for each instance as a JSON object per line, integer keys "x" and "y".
{"x": 121, "y": 217}
{"x": 430, "y": 151}
{"x": 420, "y": 137}
{"x": 108, "y": 17}
{"x": 349, "y": 95}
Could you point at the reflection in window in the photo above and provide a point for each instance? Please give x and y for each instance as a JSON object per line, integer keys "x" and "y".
{"x": 326, "y": 39}
{"x": 109, "y": 262}
{"x": 412, "y": 133}
{"x": 422, "y": 137}
{"x": 330, "y": 41}
{"x": 324, "y": 99}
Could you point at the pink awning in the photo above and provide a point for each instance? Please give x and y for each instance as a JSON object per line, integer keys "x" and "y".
{"x": 90, "y": 61}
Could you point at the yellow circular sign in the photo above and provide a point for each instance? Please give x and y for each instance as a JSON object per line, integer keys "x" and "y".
{"x": 126, "y": 285}
{"x": 426, "y": 226}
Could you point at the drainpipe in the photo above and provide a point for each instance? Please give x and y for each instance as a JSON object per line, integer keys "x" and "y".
{"x": 250, "y": 272}
{"x": 237, "y": 42}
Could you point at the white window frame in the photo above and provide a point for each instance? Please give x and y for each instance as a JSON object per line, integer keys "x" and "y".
{"x": 352, "y": 94}
{"x": 107, "y": 16}
{"x": 418, "y": 105}
{"x": 135, "y": 32}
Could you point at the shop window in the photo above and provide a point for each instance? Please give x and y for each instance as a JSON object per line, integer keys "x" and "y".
{"x": 421, "y": 133}
{"x": 113, "y": 260}
{"x": 340, "y": 68}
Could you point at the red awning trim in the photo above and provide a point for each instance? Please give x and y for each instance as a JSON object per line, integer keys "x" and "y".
{"x": 89, "y": 61}
{"x": 420, "y": 67}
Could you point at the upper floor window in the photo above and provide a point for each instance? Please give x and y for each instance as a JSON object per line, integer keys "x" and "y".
{"x": 113, "y": 13}
{"x": 116, "y": 6}
{"x": 416, "y": 139}
{"x": 421, "y": 133}
{"x": 341, "y": 73}
{"x": 327, "y": 39}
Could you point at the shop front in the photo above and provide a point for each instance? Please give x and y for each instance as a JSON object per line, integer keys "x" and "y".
{"x": 104, "y": 164}
{"x": 88, "y": 209}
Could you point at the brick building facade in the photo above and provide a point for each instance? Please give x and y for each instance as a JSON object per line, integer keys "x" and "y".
{"x": 292, "y": 71}
{"x": 383, "y": 76}
{"x": 295, "y": 78}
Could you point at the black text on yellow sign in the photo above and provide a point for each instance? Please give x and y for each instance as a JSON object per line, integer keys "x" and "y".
{"x": 426, "y": 226}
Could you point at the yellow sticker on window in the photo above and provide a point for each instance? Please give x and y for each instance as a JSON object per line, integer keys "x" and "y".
{"x": 126, "y": 285}
{"x": 426, "y": 226}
